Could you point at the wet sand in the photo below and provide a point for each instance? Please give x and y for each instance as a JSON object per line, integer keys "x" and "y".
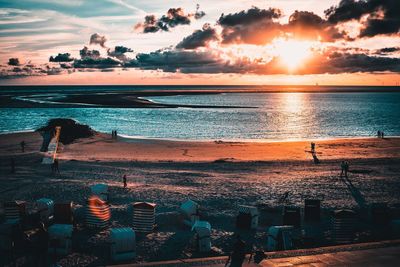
{"x": 218, "y": 175}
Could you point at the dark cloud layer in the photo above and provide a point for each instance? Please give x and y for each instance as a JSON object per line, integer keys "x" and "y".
{"x": 332, "y": 61}
{"x": 96, "y": 63}
{"x": 383, "y": 15}
{"x": 199, "y": 38}
{"x": 62, "y": 57}
{"x": 173, "y": 18}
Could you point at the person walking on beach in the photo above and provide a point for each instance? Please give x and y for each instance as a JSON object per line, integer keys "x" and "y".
{"x": 312, "y": 147}
{"x": 382, "y": 135}
{"x": 345, "y": 168}
{"x": 238, "y": 254}
{"x": 22, "y": 146}
{"x": 379, "y": 134}
{"x": 342, "y": 166}
{"x": 124, "y": 181}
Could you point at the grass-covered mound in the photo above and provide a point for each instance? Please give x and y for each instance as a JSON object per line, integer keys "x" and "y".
{"x": 70, "y": 130}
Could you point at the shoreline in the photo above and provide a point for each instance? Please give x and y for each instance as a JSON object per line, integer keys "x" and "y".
{"x": 134, "y": 139}
{"x": 101, "y": 147}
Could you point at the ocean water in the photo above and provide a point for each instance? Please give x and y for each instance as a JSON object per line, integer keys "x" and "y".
{"x": 265, "y": 116}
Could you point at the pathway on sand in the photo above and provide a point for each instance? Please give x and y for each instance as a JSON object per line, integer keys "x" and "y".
{"x": 386, "y": 253}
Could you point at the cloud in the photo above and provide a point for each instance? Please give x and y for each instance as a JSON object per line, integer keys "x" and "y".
{"x": 98, "y": 39}
{"x": 254, "y": 26}
{"x": 199, "y": 14}
{"x": 96, "y": 63}
{"x": 61, "y": 57}
{"x": 382, "y": 16}
{"x": 337, "y": 62}
{"x": 119, "y": 52}
{"x": 173, "y": 18}
{"x": 307, "y": 25}
{"x": 28, "y": 70}
{"x": 86, "y": 53}
{"x": 260, "y": 26}
{"x": 174, "y": 60}
{"x": 387, "y": 50}
{"x": 13, "y": 62}
{"x": 199, "y": 38}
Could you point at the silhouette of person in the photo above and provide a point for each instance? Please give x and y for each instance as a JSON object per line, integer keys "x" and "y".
{"x": 312, "y": 147}
{"x": 22, "y": 146}
{"x": 382, "y": 134}
{"x": 238, "y": 254}
{"x": 124, "y": 181}
{"x": 379, "y": 134}
{"x": 346, "y": 168}
{"x": 343, "y": 167}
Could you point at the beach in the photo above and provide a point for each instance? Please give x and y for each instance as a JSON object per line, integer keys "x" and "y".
{"x": 218, "y": 175}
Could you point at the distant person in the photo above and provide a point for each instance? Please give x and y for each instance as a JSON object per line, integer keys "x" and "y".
{"x": 124, "y": 181}
{"x": 116, "y": 134}
{"x": 22, "y": 146}
{"x": 379, "y": 134}
{"x": 238, "y": 254}
{"x": 382, "y": 134}
{"x": 12, "y": 165}
{"x": 345, "y": 168}
{"x": 312, "y": 147}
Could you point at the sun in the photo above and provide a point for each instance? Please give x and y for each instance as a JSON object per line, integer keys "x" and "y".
{"x": 292, "y": 53}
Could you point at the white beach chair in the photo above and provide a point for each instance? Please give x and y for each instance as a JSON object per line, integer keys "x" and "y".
{"x": 123, "y": 244}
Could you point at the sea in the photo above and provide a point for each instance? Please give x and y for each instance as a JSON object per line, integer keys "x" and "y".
{"x": 271, "y": 116}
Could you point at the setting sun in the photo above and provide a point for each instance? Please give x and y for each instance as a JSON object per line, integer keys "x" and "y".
{"x": 292, "y": 53}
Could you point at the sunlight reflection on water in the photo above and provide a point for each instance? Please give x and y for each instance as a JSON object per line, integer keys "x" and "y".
{"x": 279, "y": 116}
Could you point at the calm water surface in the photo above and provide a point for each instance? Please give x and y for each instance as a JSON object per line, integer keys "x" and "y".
{"x": 272, "y": 116}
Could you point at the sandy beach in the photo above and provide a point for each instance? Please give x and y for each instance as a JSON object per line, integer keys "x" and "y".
{"x": 218, "y": 175}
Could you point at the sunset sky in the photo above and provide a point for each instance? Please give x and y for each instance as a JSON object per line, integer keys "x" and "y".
{"x": 200, "y": 42}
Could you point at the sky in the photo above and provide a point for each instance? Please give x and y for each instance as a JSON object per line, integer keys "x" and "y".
{"x": 330, "y": 42}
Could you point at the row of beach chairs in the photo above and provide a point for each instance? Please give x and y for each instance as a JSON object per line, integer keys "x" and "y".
{"x": 59, "y": 217}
